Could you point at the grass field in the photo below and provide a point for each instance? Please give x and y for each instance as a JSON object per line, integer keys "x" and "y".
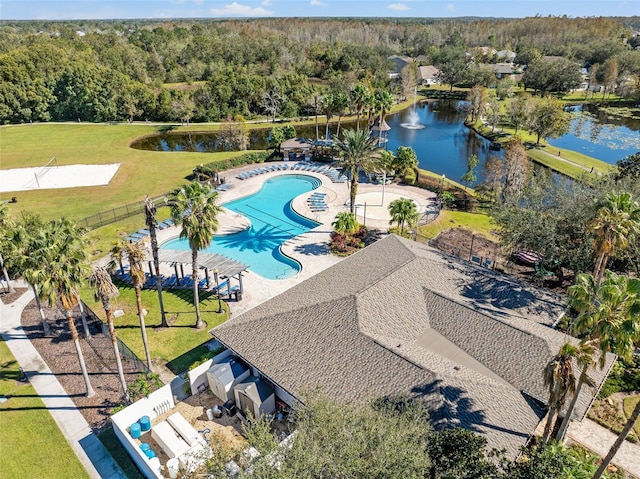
{"x": 477, "y": 222}
{"x": 31, "y": 444}
{"x": 166, "y": 345}
{"x": 140, "y": 172}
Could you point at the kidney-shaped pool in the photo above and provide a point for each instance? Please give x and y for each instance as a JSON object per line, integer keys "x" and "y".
{"x": 273, "y": 222}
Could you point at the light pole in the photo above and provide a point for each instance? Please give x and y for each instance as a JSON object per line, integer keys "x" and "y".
{"x": 442, "y": 182}
{"x": 215, "y": 275}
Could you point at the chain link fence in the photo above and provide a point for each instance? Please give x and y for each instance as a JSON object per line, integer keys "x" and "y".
{"x": 116, "y": 214}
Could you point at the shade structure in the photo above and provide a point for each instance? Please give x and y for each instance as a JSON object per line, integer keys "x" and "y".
{"x": 226, "y": 267}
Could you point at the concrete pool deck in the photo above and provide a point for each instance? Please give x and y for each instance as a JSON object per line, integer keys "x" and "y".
{"x": 310, "y": 249}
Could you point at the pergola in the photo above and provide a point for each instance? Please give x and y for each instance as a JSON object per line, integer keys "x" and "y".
{"x": 296, "y": 145}
{"x": 222, "y": 267}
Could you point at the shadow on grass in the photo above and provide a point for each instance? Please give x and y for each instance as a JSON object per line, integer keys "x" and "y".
{"x": 182, "y": 362}
{"x": 111, "y": 442}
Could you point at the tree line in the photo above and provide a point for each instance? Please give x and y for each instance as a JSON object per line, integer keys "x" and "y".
{"x": 213, "y": 70}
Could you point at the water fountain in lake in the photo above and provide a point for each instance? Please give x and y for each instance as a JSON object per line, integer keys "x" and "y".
{"x": 413, "y": 124}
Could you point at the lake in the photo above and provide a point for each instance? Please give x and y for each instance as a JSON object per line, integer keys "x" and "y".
{"x": 595, "y": 134}
{"x": 444, "y": 144}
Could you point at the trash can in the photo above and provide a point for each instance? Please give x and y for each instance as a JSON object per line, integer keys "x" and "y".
{"x": 173, "y": 467}
{"x": 145, "y": 423}
{"x": 135, "y": 430}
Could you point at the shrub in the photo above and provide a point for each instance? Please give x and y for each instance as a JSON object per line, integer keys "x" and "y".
{"x": 624, "y": 377}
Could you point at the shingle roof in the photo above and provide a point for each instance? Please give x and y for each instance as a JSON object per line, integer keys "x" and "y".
{"x": 400, "y": 317}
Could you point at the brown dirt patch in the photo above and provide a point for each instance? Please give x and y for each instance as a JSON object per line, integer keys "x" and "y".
{"x": 465, "y": 244}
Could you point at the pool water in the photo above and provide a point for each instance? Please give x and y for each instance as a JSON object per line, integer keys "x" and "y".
{"x": 273, "y": 222}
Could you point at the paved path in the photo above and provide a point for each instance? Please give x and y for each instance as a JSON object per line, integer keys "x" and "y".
{"x": 599, "y": 440}
{"x": 92, "y": 454}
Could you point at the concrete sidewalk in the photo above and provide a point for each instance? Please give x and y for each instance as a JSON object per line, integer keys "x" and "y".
{"x": 599, "y": 440}
{"x": 92, "y": 454}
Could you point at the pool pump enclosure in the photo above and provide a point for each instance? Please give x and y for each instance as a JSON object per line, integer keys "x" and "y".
{"x": 223, "y": 376}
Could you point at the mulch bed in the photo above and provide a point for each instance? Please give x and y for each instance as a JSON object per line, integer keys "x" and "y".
{"x": 59, "y": 353}
{"x": 8, "y": 298}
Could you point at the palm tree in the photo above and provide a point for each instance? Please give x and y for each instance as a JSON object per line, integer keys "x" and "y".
{"x": 616, "y": 221}
{"x": 63, "y": 264}
{"x": 606, "y": 319}
{"x": 327, "y": 105}
{"x": 134, "y": 253}
{"x": 105, "y": 291}
{"x": 345, "y": 223}
{"x": 194, "y": 206}
{"x": 384, "y": 103}
{"x": 24, "y": 240}
{"x": 5, "y": 226}
{"x": 618, "y": 442}
{"x": 359, "y": 96}
{"x": 403, "y": 210}
{"x": 405, "y": 159}
{"x": 150, "y": 213}
{"x": 340, "y": 105}
{"x": 560, "y": 379}
{"x": 357, "y": 150}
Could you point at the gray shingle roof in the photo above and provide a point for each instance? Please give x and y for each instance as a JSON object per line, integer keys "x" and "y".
{"x": 400, "y": 317}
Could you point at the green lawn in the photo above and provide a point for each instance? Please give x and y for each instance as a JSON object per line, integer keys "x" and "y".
{"x": 477, "y": 222}
{"x": 173, "y": 345}
{"x": 140, "y": 172}
{"x": 31, "y": 444}
{"x": 629, "y": 404}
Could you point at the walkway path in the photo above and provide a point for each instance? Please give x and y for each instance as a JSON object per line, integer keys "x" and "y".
{"x": 92, "y": 454}
{"x": 568, "y": 162}
{"x": 599, "y": 440}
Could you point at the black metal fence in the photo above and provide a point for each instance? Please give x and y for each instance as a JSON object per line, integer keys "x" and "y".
{"x": 116, "y": 214}
{"x": 125, "y": 352}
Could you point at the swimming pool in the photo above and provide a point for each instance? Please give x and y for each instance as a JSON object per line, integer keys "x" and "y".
{"x": 273, "y": 222}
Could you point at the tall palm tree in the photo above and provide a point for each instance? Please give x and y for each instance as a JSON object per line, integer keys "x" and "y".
{"x": 150, "y": 214}
{"x": 105, "y": 291}
{"x": 5, "y": 226}
{"x": 134, "y": 253}
{"x": 618, "y": 442}
{"x": 403, "y": 210}
{"x": 195, "y": 207}
{"x": 63, "y": 265}
{"x": 357, "y": 150}
{"x": 23, "y": 241}
{"x": 359, "y": 96}
{"x": 384, "y": 103}
{"x": 605, "y": 319}
{"x": 327, "y": 105}
{"x": 560, "y": 379}
{"x": 340, "y": 105}
{"x": 616, "y": 221}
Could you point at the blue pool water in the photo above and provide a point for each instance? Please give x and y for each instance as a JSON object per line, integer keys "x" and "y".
{"x": 272, "y": 223}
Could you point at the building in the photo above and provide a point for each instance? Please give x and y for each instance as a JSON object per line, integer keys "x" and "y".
{"x": 428, "y": 74}
{"x": 401, "y": 318}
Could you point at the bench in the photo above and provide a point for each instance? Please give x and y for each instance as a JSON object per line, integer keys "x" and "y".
{"x": 186, "y": 430}
{"x": 169, "y": 440}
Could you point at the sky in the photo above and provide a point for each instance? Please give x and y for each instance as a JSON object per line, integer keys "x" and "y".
{"x": 122, "y": 9}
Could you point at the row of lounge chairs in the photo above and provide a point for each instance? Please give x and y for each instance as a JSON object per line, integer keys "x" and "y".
{"x": 141, "y": 234}
{"x": 328, "y": 171}
{"x": 224, "y": 187}
{"x": 317, "y": 203}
